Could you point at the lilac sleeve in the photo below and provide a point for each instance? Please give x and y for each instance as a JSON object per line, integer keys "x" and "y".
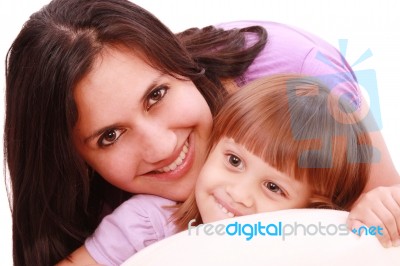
{"x": 137, "y": 223}
{"x": 290, "y": 50}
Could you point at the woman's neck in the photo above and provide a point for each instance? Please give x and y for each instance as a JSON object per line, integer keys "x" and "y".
{"x": 230, "y": 85}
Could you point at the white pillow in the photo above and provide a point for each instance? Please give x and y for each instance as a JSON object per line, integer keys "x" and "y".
{"x": 322, "y": 239}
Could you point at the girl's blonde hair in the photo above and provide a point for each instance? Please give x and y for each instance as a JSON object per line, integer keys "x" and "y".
{"x": 295, "y": 124}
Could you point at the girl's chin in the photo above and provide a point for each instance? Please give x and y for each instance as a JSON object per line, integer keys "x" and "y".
{"x": 213, "y": 217}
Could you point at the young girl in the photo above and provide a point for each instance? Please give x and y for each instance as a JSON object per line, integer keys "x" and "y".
{"x": 282, "y": 142}
{"x": 279, "y": 143}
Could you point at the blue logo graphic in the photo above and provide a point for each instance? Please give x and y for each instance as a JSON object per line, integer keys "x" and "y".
{"x": 366, "y": 79}
{"x": 344, "y": 83}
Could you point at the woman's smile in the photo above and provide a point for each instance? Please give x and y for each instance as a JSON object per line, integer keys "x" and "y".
{"x": 177, "y": 162}
{"x": 180, "y": 165}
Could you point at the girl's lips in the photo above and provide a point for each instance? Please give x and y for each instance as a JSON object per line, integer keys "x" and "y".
{"x": 226, "y": 208}
{"x": 173, "y": 171}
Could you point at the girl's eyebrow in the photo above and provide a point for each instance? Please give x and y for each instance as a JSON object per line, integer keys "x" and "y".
{"x": 100, "y": 131}
{"x": 229, "y": 142}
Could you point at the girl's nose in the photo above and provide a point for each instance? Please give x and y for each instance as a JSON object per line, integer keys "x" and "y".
{"x": 242, "y": 193}
{"x": 157, "y": 142}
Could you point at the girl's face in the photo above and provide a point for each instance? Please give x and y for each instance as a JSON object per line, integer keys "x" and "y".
{"x": 235, "y": 182}
{"x": 140, "y": 129}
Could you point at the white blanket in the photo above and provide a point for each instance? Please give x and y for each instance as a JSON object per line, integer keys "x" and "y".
{"x": 289, "y": 237}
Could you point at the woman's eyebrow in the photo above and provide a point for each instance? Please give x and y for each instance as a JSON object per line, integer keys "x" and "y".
{"x": 146, "y": 92}
{"x": 151, "y": 86}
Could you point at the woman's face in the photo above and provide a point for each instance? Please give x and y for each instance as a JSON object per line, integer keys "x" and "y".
{"x": 141, "y": 130}
{"x": 235, "y": 182}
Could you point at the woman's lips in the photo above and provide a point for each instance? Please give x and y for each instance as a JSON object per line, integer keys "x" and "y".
{"x": 180, "y": 166}
{"x": 178, "y": 161}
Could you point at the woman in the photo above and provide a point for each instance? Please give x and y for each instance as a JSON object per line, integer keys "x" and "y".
{"x": 102, "y": 99}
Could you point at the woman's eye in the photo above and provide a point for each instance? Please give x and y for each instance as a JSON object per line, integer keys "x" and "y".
{"x": 110, "y": 137}
{"x": 155, "y": 96}
{"x": 235, "y": 161}
{"x": 274, "y": 188}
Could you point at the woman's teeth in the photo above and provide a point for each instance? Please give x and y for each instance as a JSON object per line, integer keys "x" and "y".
{"x": 178, "y": 160}
{"x": 224, "y": 210}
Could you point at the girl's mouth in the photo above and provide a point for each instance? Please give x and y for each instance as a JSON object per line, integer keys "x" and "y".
{"x": 226, "y": 208}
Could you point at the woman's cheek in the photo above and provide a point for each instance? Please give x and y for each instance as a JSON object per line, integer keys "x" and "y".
{"x": 114, "y": 168}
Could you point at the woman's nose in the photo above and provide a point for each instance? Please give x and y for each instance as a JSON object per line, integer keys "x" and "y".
{"x": 157, "y": 142}
{"x": 241, "y": 192}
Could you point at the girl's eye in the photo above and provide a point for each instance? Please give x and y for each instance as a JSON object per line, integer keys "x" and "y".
{"x": 155, "y": 96}
{"x": 235, "y": 161}
{"x": 274, "y": 188}
{"x": 110, "y": 137}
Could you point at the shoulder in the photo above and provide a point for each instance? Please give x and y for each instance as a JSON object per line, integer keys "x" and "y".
{"x": 288, "y": 46}
{"x": 151, "y": 208}
{"x": 135, "y": 224}
{"x": 288, "y": 50}
{"x": 142, "y": 202}
{"x": 279, "y": 32}
{"x": 293, "y": 50}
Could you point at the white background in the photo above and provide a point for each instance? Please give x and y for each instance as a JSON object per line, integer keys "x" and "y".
{"x": 367, "y": 24}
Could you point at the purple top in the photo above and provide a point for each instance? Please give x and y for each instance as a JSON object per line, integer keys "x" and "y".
{"x": 135, "y": 224}
{"x": 293, "y": 51}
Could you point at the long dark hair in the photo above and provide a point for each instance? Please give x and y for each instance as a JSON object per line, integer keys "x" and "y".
{"x": 57, "y": 200}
